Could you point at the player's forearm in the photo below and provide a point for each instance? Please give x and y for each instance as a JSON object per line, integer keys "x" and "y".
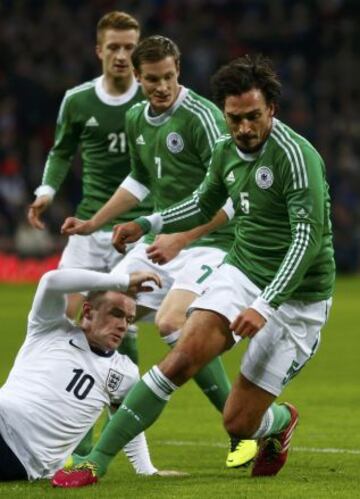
{"x": 55, "y": 171}
{"x": 304, "y": 247}
{"x": 221, "y": 218}
{"x": 181, "y": 217}
{"x": 73, "y": 281}
{"x": 121, "y": 202}
{"x": 49, "y": 301}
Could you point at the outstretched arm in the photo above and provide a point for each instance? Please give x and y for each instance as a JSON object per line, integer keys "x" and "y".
{"x": 50, "y": 298}
{"x": 121, "y": 201}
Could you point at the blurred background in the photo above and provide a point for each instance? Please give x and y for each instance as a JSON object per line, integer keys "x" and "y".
{"x": 48, "y": 46}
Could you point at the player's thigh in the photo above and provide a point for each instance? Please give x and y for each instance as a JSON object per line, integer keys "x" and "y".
{"x": 172, "y": 312}
{"x": 245, "y": 407}
{"x": 228, "y": 292}
{"x": 205, "y": 336}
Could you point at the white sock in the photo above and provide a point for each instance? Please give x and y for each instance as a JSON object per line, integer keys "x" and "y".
{"x": 159, "y": 383}
{"x": 265, "y": 425}
{"x": 171, "y": 338}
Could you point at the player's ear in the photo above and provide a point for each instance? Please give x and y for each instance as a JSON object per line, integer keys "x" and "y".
{"x": 98, "y": 51}
{"x": 137, "y": 74}
{"x": 87, "y": 310}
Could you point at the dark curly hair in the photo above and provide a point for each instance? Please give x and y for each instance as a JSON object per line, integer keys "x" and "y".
{"x": 243, "y": 74}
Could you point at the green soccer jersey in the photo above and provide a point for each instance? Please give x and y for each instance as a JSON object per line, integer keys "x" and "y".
{"x": 95, "y": 121}
{"x": 283, "y": 238}
{"x": 170, "y": 153}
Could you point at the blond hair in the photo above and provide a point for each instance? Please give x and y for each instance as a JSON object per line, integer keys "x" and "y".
{"x": 115, "y": 20}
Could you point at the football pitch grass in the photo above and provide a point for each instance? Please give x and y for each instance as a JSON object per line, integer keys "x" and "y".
{"x": 325, "y": 457}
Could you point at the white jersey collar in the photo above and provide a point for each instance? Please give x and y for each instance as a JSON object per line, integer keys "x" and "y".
{"x": 114, "y": 100}
{"x": 79, "y": 340}
{"x": 162, "y": 118}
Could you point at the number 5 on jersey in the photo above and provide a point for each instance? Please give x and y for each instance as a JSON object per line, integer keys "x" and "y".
{"x": 244, "y": 202}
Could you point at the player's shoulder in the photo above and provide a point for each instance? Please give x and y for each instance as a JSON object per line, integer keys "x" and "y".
{"x": 200, "y": 106}
{"x": 290, "y": 145}
{"x": 136, "y": 111}
{"x": 80, "y": 91}
{"x": 223, "y": 143}
{"x": 137, "y": 108}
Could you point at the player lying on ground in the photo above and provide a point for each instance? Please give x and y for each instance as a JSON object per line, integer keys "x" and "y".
{"x": 64, "y": 375}
{"x": 274, "y": 287}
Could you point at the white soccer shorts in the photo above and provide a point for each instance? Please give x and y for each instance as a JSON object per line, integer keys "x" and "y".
{"x": 189, "y": 270}
{"x": 93, "y": 252}
{"x": 287, "y": 341}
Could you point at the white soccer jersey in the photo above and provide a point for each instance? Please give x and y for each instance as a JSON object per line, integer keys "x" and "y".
{"x": 58, "y": 385}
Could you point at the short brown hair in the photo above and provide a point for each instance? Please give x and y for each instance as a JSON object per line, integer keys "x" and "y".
{"x": 244, "y": 74}
{"x": 155, "y": 49}
{"x": 116, "y": 20}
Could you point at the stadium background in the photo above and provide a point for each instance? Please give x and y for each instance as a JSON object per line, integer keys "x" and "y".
{"x": 48, "y": 46}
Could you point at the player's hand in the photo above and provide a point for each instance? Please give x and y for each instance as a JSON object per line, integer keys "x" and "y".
{"x": 36, "y": 209}
{"x": 248, "y": 323}
{"x": 124, "y": 234}
{"x": 140, "y": 282}
{"x": 166, "y": 247}
{"x": 74, "y": 225}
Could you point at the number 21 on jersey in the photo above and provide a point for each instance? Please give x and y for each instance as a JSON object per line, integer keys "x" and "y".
{"x": 117, "y": 142}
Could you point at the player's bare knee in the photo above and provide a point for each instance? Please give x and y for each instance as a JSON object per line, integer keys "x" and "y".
{"x": 167, "y": 323}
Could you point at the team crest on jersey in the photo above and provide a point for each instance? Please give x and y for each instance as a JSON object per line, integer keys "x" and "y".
{"x": 113, "y": 380}
{"x": 174, "y": 142}
{"x": 264, "y": 177}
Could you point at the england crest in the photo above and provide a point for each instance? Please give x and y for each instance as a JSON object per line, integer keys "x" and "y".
{"x": 113, "y": 380}
{"x": 174, "y": 142}
{"x": 264, "y": 177}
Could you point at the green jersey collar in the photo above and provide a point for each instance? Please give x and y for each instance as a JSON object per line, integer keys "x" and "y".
{"x": 112, "y": 100}
{"x": 164, "y": 117}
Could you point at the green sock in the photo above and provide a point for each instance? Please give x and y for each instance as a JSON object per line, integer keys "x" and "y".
{"x": 275, "y": 419}
{"x": 214, "y": 382}
{"x": 139, "y": 410}
{"x": 282, "y": 418}
{"x": 129, "y": 347}
{"x": 211, "y": 379}
{"x": 85, "y": 446}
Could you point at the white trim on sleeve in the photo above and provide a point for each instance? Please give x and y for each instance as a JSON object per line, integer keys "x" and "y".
{"x": 229, "y": 209}
{"x": 137, "y": 189}
{"x": 263, "y": 307}
{"x": 45, "y": 190}
{"x": 156, "y": 222}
